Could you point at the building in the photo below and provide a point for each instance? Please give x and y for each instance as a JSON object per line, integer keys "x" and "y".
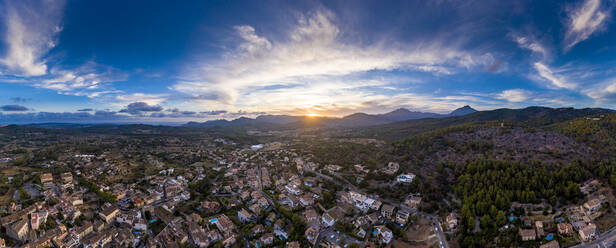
{"x": 387, "y": 211}
{"x": 267, "y": 239}
{"x": 18, "y": 231}
{"x": 551, "y": 244}
{"x": 452, "y": 221}
{"x": 588, "y": 232}
{"x": 527, "y": 234}
{"x": 405, "y": 178}
{"x": 311, "y": 234}
{"x": 401, "y": 217}
{"x": 47, "y": 180}
{"x": 84, "y": 230}
{"x": 109, "y": 213}
{"x": 564, "y": 228}
{"x": 539, "y": 228}
{"x": 244, "y": 216}
{"x": 593, "y": 205}
{"x": 330, "y": 217}
{"x": 392, "y": 168}
{"x": 67, "y": 179}
{"x": 224, "y": 224}
{"x": 385, "y": 235}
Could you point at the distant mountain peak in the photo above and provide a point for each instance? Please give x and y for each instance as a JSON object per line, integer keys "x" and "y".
{"x": 463, "y": 111}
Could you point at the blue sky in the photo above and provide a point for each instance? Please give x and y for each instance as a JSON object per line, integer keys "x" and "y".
{"x": 154, "y": 61}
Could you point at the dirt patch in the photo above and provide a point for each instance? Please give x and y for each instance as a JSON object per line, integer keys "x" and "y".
{"x": 421, "y": 234}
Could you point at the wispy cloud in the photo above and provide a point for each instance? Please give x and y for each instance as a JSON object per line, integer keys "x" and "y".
{"x": 31, "y": 31}
{"x": 532, "y": 44}
{"x": 309, "y": 64}
{"x": 555, "y": 80}
{"x": 583, "y": 20}
{"x": 514, "y": 95}
{"x": 603, "y": 93}
{"x": 151, "y": 99}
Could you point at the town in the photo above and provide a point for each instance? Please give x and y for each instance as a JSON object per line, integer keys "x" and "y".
{"x": 216, "y": 192}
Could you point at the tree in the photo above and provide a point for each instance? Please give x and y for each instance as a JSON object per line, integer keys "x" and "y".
{"x": 500, "y": 218}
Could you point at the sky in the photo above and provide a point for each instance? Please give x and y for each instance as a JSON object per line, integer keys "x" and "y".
{"x": 158, "y": 61}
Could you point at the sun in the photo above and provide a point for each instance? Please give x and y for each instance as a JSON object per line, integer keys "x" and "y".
{"x": 313, "y": 115}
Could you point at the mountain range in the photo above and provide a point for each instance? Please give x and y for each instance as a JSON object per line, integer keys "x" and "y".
{"x": 353, "y": 120}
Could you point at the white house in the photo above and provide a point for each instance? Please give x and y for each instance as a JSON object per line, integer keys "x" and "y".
{"x": 406, "y": 178}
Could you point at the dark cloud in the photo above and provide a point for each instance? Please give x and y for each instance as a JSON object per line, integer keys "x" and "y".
{"x": 13, "y": 108}
{"x": 20, "y": 99}
{"x": 214, "y": 112}
{"x": 138, "y": 108}
{"x": 85, "y": 110}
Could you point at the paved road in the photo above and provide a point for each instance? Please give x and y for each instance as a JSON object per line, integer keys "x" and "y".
{"x": 437, "y": 227}
{"x": 605, "y": 240}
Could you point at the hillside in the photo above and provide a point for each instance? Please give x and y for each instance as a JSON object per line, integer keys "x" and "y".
{"x": 527, "y": 117}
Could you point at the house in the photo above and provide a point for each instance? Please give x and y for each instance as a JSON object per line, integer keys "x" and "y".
{"x": 84, "y": 230}
{"x": 387, "y": 211}
{"x": 311, "y": 216}
{"x": 279, "y": 230}
{"x": 257, "y": 229}
{"x": 551, "y": 244}
{"x": 593, "y": 205}
{"x": 385, "y": 235}
{"x": 333, "y": 168}
{"x": 293, "y": 244}
{"x": 412, "y": 201}
{"x": 306, "y": 199}
{"x": 564, "y": 228}
{"x": 406, "y": 178}
{"x": 539, "y": 228}
{"x": 452, "y": 221}
{"x": 267, "y": 239}
{"x": 588, "y": 232}
{"x": 47, "y": 180}
{"x": 392, "y": 168}
{"x": 527, "y": 234}
{"x": 18, "y": 231}
{"x": 67, "y": 179}
{"x": 224, "y": 224}
{"x": 330, "y": 217}
{"x": 401, "y": 217}
{"x": 311, "y": 234}
{"x": 244, "y": 216}
{"x": 210, "y": 207}
{"x": 98, "y": 225}
{"x": 109, "y": 213}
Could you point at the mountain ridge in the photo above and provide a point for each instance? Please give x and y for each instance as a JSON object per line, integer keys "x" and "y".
{"x": 352, "y": 120}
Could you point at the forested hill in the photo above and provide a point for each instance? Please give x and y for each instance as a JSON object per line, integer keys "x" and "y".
{"x": 527, "y": 117}
{"x": 598, "y": 132}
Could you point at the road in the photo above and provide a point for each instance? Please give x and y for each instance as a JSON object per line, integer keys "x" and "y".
{"x": 605, "y": 240}
{"x": 437, "y": 227}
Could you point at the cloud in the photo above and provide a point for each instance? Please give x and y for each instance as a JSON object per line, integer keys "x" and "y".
{"x": 85, "y": 110}
{"x": 137, "y": 108}
{"x": 311, "y": 64}
{"x": 13, "y": 108}
{"x": 556, "y": 81}
{"x": 514, "y": 95}
{"x": 603, "y": 93}
{"x": 214, "y": 112}
{"x": 584, "y": 20}
{"x": 20, "y": 99}
{"x": 532, "y": 44}
{"x": 151, "y": 99}
{"x": 31, "y": 30}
